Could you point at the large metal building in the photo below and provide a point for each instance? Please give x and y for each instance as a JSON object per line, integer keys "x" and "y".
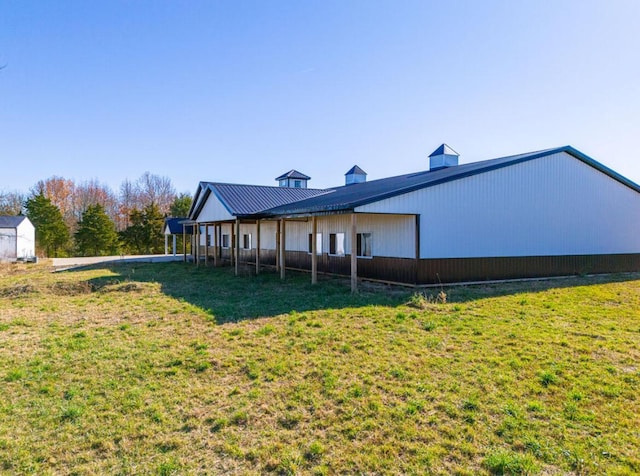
{"x": 545, "y": 213}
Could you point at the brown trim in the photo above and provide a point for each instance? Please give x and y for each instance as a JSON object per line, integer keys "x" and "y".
{"x": 452, "y": 270}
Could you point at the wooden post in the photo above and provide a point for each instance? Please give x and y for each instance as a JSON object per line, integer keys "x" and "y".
{"x": 215, "y": 245}
{"x": 184, "y": 242}
{"x": 354, "y": 254}
{"x": 174, "y": 244}
{"x": 282, "y": 247}
{"x": 257, "y": 247}
{"x": 232, "y": 247}
{"x": 197, "y": 252}
{"x": 220, "y": 244}
{"x": 277, "y": 245}
{"x": 206, "y": 244}
{"x": 166, "y": 244}
{"x": 237, "y": 247}
{"x": 314, "y": 250}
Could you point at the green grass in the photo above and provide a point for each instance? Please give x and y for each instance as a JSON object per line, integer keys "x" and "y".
{"x": 171, "y": 369}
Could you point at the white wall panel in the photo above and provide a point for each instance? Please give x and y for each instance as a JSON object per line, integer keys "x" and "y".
{"x": 214, "y": 210}
{"x": 392, "y": 235}
{"x": 555, "y": 205}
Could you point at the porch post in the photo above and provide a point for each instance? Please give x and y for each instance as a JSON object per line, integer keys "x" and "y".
{"x": 354, "y": 254}
{"x": 215, "y": 244}
{"x": 282, "y": 247}
{"x": 197, "y": 235}
{"x": 174, "y": 244}
{"x": 184, "y": 242}
{"x": 220, "y": 244}
{"x": 206, "y": 244}
{"x": 232, "y": 245}
{"x": 277, "y": 245}
{"x": 257, "y": 247}
{"x": 166, "y": 244}
{"x": 237, "y": 246}
{"x": 314, "y": 250}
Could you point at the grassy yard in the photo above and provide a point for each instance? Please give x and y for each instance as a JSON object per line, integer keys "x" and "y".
{"x": 168, "y": 369}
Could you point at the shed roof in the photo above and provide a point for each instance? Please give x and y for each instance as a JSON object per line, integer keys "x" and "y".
{"x": 346, "y": 198}
{"x": 294, "y": 174}
{"x": 11, "y": 221}
{"x": 175, "y": 225}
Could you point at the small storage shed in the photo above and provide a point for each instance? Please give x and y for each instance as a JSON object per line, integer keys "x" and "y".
{"x": 17, "y": 238}
{"x": 173, "y": 227}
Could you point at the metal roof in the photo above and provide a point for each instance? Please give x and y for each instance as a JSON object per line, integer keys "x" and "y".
{"x": 348, "y": 197}
{"x": 443, "y": 149}
{"x": 294, "y": 174}
{"x": 11, "y": 221}
{"x": 175, "y": 225}
{"x": 355, "y": 170}
{"x": 262, "y": 201}
{"x": 243, "y": 200}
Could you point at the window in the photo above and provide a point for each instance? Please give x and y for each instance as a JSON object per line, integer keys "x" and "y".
{"x": 364, "y": 245}
{"x": 318, "y": 243}
{"x": 225, "y": 241}
{"x": 283, "y": 183}
{"x": 246, "y": 241}
{"x": 297, "y": 183}
{"x": 336, "y": 244}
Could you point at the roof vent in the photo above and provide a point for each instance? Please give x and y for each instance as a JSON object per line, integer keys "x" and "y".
{"x": 443, "y": 156}
{"x": 355, "y": 175}
{"x": 293, "y": 179}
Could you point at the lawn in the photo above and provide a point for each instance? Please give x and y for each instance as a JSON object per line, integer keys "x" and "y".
{"x": 171, "y": 369}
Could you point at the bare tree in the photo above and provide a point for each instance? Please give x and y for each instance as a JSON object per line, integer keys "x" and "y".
{"x": 92, "y": 192}
{"x": 12, "y": 203}
{"x": 127, "y": 202}
{"x": 156, "y": 189}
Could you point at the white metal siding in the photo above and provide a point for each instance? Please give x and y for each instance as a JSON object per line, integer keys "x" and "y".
{"x": 555, "y": 205}
{"x": 392, "y": 235}
{"x": 214, "y": 210}
{"x": 26, "y": 240}
{"x": 7, "y": 244}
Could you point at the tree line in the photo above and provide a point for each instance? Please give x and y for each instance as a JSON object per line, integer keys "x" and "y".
{"x": 89, "y": 219}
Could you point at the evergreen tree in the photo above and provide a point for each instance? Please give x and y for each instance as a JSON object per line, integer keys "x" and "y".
{"x": 144, "y": 234}
{"x": 52, "y": 235}
{"x": 96, "y": 235}
{"x": 181, "y": 205}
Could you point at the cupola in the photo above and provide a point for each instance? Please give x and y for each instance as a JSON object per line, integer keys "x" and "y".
{"x": 355, "y": 175}
{"x": 443, "y": 156}
{"x": 293, "y": 179}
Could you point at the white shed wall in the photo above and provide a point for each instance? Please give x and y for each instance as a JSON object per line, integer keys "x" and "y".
{"x": 555, "y": 205}
{"x": 26, "y": 240}
{"x": 7, "y": 244}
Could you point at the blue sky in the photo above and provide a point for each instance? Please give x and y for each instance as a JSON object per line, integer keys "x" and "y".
{"x": 242, "y": 91}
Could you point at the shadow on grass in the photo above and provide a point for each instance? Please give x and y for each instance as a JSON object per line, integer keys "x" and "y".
{"x": 231, "y": 298}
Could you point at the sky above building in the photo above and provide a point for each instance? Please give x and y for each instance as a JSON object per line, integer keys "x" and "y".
{"x": 243, "y": 91}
